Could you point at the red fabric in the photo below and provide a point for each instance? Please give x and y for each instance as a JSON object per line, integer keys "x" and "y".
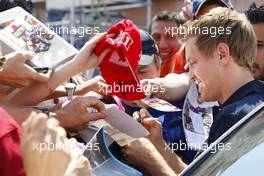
{"x": 179, "y": 61}
{"x": 174, "y": 65}
{"x": 119, "y": 66}
{"x": 166, "y": 67}
{"x": 11, "y": 163}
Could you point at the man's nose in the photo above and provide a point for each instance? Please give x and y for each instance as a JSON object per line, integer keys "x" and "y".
{"x": 162, "y": 43}
{"x": 186, "y": 66}
{"x": 191, "y": 74}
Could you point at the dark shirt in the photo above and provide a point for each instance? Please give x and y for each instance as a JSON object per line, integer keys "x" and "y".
{"x": 244, "y": 100}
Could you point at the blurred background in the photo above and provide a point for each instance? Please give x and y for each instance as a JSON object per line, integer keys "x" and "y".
{"x": 98, "y": 15}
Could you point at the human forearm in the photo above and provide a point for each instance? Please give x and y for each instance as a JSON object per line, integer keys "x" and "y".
{"x": 170, "y": 157}
{"x": 15, "y": 72}
{"x": 143, "y": 154}
{"x": 5, "y": 90}
{"x": 37, "y": 92}
{"x": 20, "y": 114}
{"x": 85, "y": 59}
{"x": 174, "y": 87}
{"x": 158, "y": 168}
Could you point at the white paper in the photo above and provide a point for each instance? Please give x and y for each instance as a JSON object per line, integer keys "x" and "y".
{"x": 197, "y": 119}
{"x": 120, "y": 126}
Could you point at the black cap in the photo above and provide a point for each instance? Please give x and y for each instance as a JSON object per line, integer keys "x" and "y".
{"x": 197, "y": 4}
{"x": 149, "y": 48}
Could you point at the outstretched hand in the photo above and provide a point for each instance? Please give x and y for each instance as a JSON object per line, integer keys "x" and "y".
{"x": 86, "y": 57}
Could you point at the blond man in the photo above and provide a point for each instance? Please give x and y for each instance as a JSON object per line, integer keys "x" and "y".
{"x": 221, "y": 65}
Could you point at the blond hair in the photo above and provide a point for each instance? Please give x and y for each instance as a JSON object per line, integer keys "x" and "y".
{"x": 232, "y": 27}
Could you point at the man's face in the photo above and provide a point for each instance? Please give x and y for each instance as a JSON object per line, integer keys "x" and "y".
{"x": 167, "y": 43}
{"x": 149, "y": 71}
{"x": 258, "y": 68}
{"x": 204, "y": 71}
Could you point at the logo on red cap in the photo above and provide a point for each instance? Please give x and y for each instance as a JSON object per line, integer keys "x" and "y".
{"x": 119, "y": 66}
{"x": 114, "y": 58}
{"x": 126, "y": 40}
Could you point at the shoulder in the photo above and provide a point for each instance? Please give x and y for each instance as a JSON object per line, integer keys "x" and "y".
{"x": 242, "y": 107}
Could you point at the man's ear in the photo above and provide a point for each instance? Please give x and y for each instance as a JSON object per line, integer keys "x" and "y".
{"x": 223, "y": 54}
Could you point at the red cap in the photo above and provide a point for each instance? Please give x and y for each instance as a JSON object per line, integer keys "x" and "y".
{"x": 120, "y": 64}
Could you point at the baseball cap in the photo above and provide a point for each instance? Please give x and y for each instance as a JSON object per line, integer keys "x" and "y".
{"x": 120, "y": 64}
{"x": 197, "y": 4}
{"x": 149, "y": 48}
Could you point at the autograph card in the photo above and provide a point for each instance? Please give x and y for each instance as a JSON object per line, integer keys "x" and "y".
{"x": 160, "y": 105}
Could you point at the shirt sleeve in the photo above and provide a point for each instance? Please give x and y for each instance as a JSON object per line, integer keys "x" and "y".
{"x": 11, "y": 163}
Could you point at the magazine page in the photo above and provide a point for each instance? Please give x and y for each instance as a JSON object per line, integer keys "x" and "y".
{"x": 21, "y": 31}
{"x": 197, "y": 119}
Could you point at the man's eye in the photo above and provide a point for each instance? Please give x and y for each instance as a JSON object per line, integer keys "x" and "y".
{"x": 191, "y": 64}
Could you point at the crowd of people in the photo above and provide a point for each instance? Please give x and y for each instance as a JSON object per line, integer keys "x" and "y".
{"x": 225, "y": 70}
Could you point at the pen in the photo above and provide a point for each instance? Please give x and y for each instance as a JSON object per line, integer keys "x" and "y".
{"x": 41, "y": 69}
{"x": 37, "y": 68}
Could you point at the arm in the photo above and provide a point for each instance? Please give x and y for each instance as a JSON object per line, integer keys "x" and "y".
{"x": 20, "y": 114}
{"x": 171, "y": 88}
{"x": 155, "y": 129}
{"x": 72, "y": 116}
{"x": 176, "y": 87}
{"x": 96, "y": 84}
{"x": 16, "y": 73}
{"x": 144, "y": 155}
{"x": 58, "y": 92}
{"x": 40, "y": 160}
{"x": 5, "y": 90}
{"x": 168, "y": 154}
{"x": 85, "y": 59}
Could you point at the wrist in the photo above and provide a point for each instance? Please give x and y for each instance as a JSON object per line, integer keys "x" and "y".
{"x": 80, "y": 63}
{"x": 158, "y": 166}
{"x": 159, "y": 144}
{"x": 83, "y": 89}
{"x": 158, "y": 87}
{"x": 58, "y": 114}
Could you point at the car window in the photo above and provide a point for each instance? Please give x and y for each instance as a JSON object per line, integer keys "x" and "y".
{"x": 244, "y": 154}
